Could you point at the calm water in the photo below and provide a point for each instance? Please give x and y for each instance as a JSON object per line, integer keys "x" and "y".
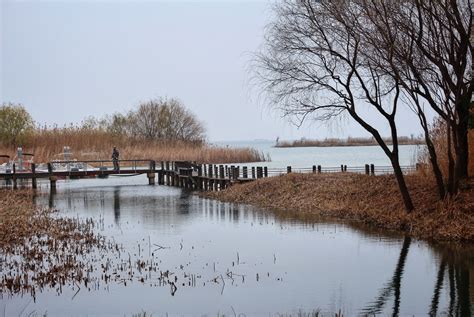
{"x": 249, "y": 262}
{"x": 305, "y": 157}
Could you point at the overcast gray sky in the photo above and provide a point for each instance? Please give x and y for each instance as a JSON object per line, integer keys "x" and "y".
{"x": 66, "y": 60}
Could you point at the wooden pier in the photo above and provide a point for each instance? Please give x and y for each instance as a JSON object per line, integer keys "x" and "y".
{"x": 184, "y": 174}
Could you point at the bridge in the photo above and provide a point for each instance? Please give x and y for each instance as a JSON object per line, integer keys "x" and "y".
{"x": 185, "y": 174}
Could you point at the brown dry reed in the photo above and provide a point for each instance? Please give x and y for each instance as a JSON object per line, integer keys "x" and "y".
{"x": 90, "y": 144}
{"x": 438, "y": 135}
{"x": 40, "y": 250}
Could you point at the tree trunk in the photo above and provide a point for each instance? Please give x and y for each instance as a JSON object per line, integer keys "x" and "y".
{"x": 451, "y": 165}
{"x": 402, "y": 185}
{"x": 462, "y": 130}
{"x": 433, "y": 156}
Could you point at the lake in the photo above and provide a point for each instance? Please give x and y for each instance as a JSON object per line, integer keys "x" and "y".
{"x": 238, "y": 260}
{"x": 306, "y": 157}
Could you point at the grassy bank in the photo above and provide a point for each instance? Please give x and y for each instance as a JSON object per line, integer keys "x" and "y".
{"x": 374, "y": 200}
{"x": 88, "y": 144}
{"x": 345, "y": 142}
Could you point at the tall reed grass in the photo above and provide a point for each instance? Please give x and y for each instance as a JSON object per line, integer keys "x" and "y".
{"x": 438, "y": 134}
{"x": 91, "y": 144}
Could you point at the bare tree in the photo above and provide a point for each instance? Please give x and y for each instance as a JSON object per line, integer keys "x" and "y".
{"x": 312, "y": 66}
{"x": 385, "y": 45}
{"x": 165, "y": 120}
{"x": 426, "y": 45}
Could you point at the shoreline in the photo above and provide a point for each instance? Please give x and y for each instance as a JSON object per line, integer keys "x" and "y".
{"x": 371, "y": 200}
{"x": 338, "y": 143}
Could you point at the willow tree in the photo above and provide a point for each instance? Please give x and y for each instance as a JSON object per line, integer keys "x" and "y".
{"x": 312, "y": 65}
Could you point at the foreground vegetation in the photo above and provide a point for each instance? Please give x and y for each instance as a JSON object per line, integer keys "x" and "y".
{"x": 373, "y": 200}
{"x": 49, "y": 247}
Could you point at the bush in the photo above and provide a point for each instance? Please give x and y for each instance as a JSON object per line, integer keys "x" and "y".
{"x": 16, "y": 124}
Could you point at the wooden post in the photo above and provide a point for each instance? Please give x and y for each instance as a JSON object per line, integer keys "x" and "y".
{"x": 245, "y": 172}
{"x": 259, "y": 172}
{"x": 52, "y": 181}
{"x": 237, "y": 172}
{"x": 151, "y": 178}
{"x": 210, "y": 171}
{"x": 253, "y": 172}
{"x": 319, "y": 169}
{"x": 265, "y": 171}
{"x": 152, "y": 166}
{"x": 342, "y": 168}
{"x": 216, "y": 171}
{"x": 288, "y": 169}
{"x": 199, "y": 170}
{"x": 367, "y": 169}
{"x": 221, "y": 172}
{"x": 33, "y": 178}
{"x": 221, "y": 177}
{"x": 14, "y": 176}
{"x": 372, "y": 169}
{"x": 314, "y": 168}
{"x": 345, "y": 168}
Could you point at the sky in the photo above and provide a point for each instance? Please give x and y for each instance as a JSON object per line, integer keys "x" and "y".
{"x": 67, "y": 60}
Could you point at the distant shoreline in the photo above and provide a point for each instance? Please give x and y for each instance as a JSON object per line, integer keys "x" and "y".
{"x": 345, "y": 142}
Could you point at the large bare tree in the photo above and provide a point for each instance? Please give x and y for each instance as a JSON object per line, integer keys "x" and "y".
{"x": 426, "y": 45}
{"x": 312, "y": 65}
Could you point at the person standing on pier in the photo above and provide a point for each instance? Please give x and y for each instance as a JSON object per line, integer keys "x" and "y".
{"x": 115, "y": 158}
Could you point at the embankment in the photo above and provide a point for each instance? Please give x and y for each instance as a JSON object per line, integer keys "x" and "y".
{"x": 373, "y": 200}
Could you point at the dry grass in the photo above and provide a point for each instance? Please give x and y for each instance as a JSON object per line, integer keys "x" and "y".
{"x": 372, "y": 200}
{"x": 40, "y": 250}
{"x": 87, "y": 144}
{"x": 345, "y": 142}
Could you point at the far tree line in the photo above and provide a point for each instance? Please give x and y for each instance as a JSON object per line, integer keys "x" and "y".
{"x": 159, "y": 120}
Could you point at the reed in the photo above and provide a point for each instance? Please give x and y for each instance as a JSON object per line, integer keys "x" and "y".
{"x": 89, "y": 144}
{"x": 438, "y": 134}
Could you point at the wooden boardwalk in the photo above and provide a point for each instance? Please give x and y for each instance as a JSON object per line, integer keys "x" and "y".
{"x": 184, "y": 174}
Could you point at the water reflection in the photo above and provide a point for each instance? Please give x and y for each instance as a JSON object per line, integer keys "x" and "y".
{"x": 116, "y": 203}
{"x": 392, "y": 287}
{"x": 312, "y": 255}
{"x": 456, "y": 277}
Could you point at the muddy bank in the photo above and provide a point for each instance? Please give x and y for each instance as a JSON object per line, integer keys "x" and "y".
{"x": 371, "y": 200}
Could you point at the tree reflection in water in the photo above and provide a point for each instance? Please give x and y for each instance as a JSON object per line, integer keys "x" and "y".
{"x": 392, "y": 287}
{"x": 459, "y": 279}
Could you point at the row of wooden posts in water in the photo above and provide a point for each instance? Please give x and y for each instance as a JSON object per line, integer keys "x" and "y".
{"x": 216, "y": 177}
